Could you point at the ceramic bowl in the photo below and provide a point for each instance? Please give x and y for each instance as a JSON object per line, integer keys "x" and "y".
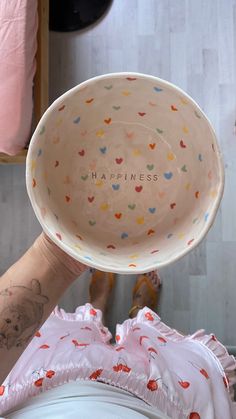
{"x": 124, "y": 173}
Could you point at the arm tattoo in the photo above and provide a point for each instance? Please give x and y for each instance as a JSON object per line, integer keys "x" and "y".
{"x": 21, "y": 311}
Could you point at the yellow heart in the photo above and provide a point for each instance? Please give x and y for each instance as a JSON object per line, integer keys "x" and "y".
{"x": 184, "y": 101}
{"x": 100, "y": 133}
{"x": 99, "y": 183}
{"x": 136, "y": 152}
{"x": 186, "y": 130}
{"x": 78, "y": 247}
{"x": 170, "y": 156}
{"x": 104, "y": 206}
{"x": 187, "y": 186}
{"x": 213, "y": 194}
{"x": 134, "y": 256}
{"x": 58, "y": 122}
{"x": 140, "y": 220}
{"x": 181, "y": 235}
{"x": 126, "y": 93}
{"x": 33, "y": 164}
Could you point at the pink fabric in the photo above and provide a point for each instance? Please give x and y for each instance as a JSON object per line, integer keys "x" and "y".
{"x": 181, "y": 375}
{"x": 18, "y": 31}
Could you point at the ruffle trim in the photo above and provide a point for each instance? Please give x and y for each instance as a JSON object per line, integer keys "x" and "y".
{"x": 225, "y": 362}
{"x": 86, "y": 313}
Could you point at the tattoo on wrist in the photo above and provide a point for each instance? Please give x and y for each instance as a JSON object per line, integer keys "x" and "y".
{"x": 21, "y": 312}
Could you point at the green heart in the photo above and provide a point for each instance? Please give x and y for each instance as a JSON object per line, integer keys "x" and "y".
{"x": 109, "y": 87}
{"x": 197, "y": 114}
{"x": 195, "y": 220}
{"x": 131, "y": 206}
{"x": 116, "y": 108}
{"x": 92, "y": 223}
{"x": 160, "y": 131}
{"x": 184, "y": 168}
{"x": 150, "y": 166}
{"x": 84, "y": 177}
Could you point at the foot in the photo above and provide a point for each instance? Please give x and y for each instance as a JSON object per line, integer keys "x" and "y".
{"x": 144, "y": 296}
{"x": 101, "y": 285}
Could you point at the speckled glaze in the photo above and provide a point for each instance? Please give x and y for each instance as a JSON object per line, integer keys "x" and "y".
{"x": 124, "y": 173}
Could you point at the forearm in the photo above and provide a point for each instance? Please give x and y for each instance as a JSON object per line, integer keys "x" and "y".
{"x": 29, "y": 291}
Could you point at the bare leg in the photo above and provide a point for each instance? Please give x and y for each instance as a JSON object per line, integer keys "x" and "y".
{"x": 101, "y": 285}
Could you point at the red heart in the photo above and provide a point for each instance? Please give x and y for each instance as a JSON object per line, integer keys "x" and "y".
{"x": 181, "y": 143}
{"x": 150, "y": 232}
{"x": 81, "y": 152}
{"x": 184, "y": 384}
{"x": 75, "y": 342}
{"x": 173, "y": 107}
{"x": 107, "y": 121}
{"x": 59, "y": 236}
{"x": 38, "y": 334}
{"x": 203, "y": 372}
{"x": 56, "y": 163}
{"x": 152, "y": 146}
{"x": 190, "y": 242}
{"x": 39, "y": 382}
{"x": 154, "y": 251}
{"x": 33, "y": 182}
{"x": 149, "y": 316}
{"x": 90, "y": 198}
{"x": 111, "y": 246}
{"x": 131, "y": 78}
{"x": 62, "y": 107}
{"x": 138, "y": 188}
{"x": 152, "y": 385}
{"x": 142, "y": 113}
{"x": 119, "y": 161}
{"x": 95, "y": 374}
{"x": 118, "y": 215}
{"x": 173, "y": 205}
{"x": 92, "y": 312}
{"x": 44, "y": 346}
{"x": 90, "y": 100}
{"x": 50, "y": 374}
{"x": 86, "y": 328}
{"x": 67, "y": 198}
{"x": 197, "y": 194}
{"x": 213, "y": 338}
{"x": 2, "y": 389}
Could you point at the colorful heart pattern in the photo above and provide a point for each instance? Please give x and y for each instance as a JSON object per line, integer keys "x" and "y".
{"x": 104, "y": 150}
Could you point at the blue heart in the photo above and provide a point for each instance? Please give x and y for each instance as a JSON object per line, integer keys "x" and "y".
{"x": 116, "y": 186}
{"x": 77, "y": 120}
{"x": 206, "y": 216}
{"x": 39, "y": 152}
{"x": 124, "y": 235}
{"x": 168, "y": 175}
{"x": 157, "y": 89}
{"x": 199, "y": 157}
{"x": 152, "y": 210}
{"x": 88, "y": 257}
{"x": 103, "y": 150}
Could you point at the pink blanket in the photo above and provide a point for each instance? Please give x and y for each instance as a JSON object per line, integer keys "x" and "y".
{"x": 18, "y": 43}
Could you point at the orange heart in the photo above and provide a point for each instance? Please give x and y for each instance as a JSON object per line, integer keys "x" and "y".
{"x": 107, "y": 121}
{"x": 118, "y": 215}
{"x": 150, "y": 232}
{"x": 152, "y": 146}
{"x": 173, "y": 107}
{"x": 90, "y": 100}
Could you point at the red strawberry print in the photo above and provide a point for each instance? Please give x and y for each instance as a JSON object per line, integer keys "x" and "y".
{"x": 149, "y": 316}
{"x": 45, "y": 346}
{"x": 38, "y": 334}
{"x": 152, "y": 385}
{"x": 203, "y": 372}
{"x": 194, "y": 415}
{"x": 184, "y": 384}
{"x": 117, "y": 338}
{"x": 92, "y": 312}
{"x": 152, "y": 350}
{"x": 39, "y": 382}
{"x": 226, "y": 381}
{"x": 95, "y": 374}
{"x": 2, "y": 389}
{"x": 117, "y": 368}
{"x": 120, "y": 348}
{"x": 118, "y": 215}
{"x": 141, "y": 339}
{"x": 50, "y": 373}
{"x": 161, "y": 339}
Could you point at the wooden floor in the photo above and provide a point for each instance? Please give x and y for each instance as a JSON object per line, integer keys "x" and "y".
{"x": 191, "y": 43}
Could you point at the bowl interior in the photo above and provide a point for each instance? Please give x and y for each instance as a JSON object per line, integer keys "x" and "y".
{"x": 124, "y": 172}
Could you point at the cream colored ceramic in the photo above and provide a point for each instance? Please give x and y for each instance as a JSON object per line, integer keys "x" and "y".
{"x": 124, "y": 173}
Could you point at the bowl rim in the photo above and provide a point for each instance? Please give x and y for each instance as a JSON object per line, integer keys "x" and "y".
{"x": 67, "y": 249}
